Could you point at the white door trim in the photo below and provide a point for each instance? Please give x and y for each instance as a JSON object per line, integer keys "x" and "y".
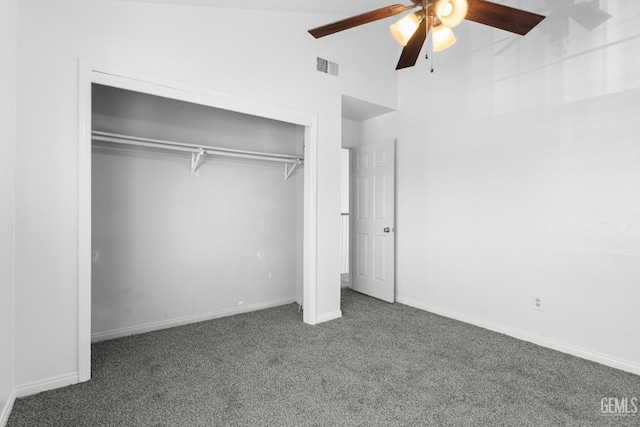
{"x": 95, "y": 72}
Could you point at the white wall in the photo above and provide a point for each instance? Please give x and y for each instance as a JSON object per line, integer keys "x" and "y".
{"x": 518, "y": 174}
{"x": 8, "y": 45}
{"x": 351, "y": 133}
{"x": 272, "y": 60}
{"x": 173, "y": 248}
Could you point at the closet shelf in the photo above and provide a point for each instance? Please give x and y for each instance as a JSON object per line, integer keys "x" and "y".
{"x": 198, "y": 152}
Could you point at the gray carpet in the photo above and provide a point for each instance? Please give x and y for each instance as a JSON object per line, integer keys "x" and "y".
{"x": 380, "y": 365}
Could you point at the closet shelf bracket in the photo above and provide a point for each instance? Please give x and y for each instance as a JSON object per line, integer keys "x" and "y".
{"x": 196, "y": 159}
{"x": 288, "y": 172}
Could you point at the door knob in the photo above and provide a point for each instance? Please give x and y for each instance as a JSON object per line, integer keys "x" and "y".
{"x": 387, "y": 230}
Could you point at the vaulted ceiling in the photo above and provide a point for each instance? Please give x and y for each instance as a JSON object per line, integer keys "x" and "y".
{"x": 353, "y": 108}
{"x": 338, "y": 7}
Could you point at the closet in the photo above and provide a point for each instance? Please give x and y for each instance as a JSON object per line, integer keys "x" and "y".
{"x": 197, "y": 212}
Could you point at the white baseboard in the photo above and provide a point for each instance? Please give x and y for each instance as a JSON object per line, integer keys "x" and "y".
{"x": 526, "y": 336}
{"x": 46, "y": 384}
{"x": 170, "y": 323}
{"x": 329, "y": 316}
{"x": 5, "y": 411}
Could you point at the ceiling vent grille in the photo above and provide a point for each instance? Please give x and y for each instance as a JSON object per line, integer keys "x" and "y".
{"x": 328, "y": 67}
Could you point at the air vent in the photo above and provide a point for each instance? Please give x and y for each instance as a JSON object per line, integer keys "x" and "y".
{"x": 328, "y": 67}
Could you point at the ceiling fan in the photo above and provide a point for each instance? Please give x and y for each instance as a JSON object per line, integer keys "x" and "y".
{"x": 440, "y": 16}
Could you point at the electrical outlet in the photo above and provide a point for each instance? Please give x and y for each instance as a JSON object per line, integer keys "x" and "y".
{"x": 538, "y": 303}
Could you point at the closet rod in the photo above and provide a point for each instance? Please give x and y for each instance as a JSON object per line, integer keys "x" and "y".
{"x": 192, "y": 148}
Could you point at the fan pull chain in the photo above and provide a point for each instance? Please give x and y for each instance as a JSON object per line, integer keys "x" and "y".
{"x": 432, "y": 53}
{"x": 429, "y": 45}
{"x": 426, "y": 56}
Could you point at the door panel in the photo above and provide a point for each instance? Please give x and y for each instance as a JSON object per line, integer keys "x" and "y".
{"x": 361, "y": 194}
{"x": 362, "y": 255}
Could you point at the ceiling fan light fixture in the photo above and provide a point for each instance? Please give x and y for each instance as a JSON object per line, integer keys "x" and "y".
{"x": 451, "y": 12}
{"x": 406, "y": 27}
{"x": 443, "y": 38}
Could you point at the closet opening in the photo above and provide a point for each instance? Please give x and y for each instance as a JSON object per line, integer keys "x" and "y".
{"x": 196, "y": 213}
{"x": 194, "y": 205}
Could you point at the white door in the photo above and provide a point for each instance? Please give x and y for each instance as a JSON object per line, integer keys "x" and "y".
{"x": 373, "y": 220}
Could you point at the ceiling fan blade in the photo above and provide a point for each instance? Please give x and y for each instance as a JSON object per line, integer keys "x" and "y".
{"x": 504, "y": 17}
{"x": 411, "y": 51}
{"x": 363, "y": 18}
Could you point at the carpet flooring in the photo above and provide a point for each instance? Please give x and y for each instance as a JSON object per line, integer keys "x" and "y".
{"x": 380, "y": 365}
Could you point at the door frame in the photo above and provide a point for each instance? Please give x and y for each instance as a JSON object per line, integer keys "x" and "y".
{"x": 91, "y": 72}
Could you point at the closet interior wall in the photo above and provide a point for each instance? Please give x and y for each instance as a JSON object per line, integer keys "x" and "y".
{"x": 171, "y": 247}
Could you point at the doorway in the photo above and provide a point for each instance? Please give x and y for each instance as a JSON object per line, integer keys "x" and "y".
{"x": 117, "y": 77}
{"x": 345, "y": 250}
